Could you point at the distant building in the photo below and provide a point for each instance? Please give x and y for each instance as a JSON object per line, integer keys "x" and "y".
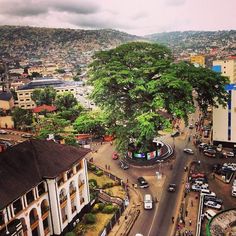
{"x": 198, "y": 60}
{"x": 44, "y": 187}
{"x": 224, "y": 119}
{"x": 6, "y": 101}
{"x": 24, "y": 92}
{"x": 227, "y": 68}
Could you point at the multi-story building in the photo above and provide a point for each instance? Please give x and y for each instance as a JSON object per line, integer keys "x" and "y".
{"x": 43, "y": 188}
{"x": 227, "y": 68}
{"x": 198, "y": 60}
{"x": 24, "y": 92}
{"x": 224, "y": 119}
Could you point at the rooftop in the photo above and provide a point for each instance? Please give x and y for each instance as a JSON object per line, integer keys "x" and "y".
{"x": 25, "y": 165}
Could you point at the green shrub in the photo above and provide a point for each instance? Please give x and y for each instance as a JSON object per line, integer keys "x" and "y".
{"x": 93, "y": 182}
{"x": 80, "y": 229}
{"x": 99, "y": 173}
{"x": 70, "y": 234}
{"x": 95, "y": 208}
{"x": 89, "y": 218}
{"x": 91, "y": 167}
{"x": 109, "y": 209}
{"x": 101, "y": 206}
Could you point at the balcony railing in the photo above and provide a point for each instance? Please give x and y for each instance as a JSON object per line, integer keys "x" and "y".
{"x": 72, "y": 191}
{"x": 33, "y": 220}
{"x": 45, "y": 209}
{"x": 81, "y": 183}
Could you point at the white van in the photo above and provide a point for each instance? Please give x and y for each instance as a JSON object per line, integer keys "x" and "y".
{"x": 207, "y": 192}
{"x": 209, "y": 214}
{"x": 147, "y": 201}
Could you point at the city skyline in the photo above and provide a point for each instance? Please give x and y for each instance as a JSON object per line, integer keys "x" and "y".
{"x": 135, "y": 17}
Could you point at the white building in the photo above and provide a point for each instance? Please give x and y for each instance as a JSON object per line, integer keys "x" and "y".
{"x": 224, "y": 119}
{"x": 24, "y": 92}
{"x": 44, "y": 187}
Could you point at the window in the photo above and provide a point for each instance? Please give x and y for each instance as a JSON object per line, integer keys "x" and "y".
{"x": 69, "y": 174}
{"x": 30, "y": 197}
{"x": 45, "y": 224}
{"x": 17, "y": 206}
{"x": 78, "y": 167}
{"x": 41, "y": 189}
{"x": 1, "y": 218}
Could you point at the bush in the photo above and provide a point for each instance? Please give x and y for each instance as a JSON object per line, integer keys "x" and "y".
{"x": 91, "y": 167}
{"x": 109, "y": 209}
{"x": 80, "y": 230}
{"x": 93, "y": 182}
{"x": 70, "y": 234}
{"x": 89, "y": 218}
{"x": 101, "y": 206}
{"x": 99, "y": 173}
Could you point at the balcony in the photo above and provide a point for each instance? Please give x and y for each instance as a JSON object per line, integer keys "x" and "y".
{"x": 45, "y": 210}
{"x": 72, "y": 191}
{"x": 63, "y": 199}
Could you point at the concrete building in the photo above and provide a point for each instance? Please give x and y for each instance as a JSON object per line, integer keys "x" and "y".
{"x": 224, "y": 119}
{"x": 24, "y": 92}
{"x": 198, "y": 60}
{"x": 227, "y": 68}
{"x": 44, "y": 188}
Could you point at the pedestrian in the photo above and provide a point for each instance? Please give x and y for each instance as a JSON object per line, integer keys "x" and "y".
{"x": 186, "y": 213}
{"x": 173, "y": 219}
{"x": 190, "y": 222}
{"x": 118, "y": 221}
{"x": 127, "y": 181}
{"x": 191, "y": 203}
{"x": 106, "y": 167}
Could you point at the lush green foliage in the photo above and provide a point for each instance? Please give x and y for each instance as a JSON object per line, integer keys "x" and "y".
{"x": 89, "y": 218}
{"x": 141, "y": 89}
{"x": 22, "y": 117}
{"x": 44, "y": 96}
{"x": 65, "y": 101}
{"x": 90, "y": 122}
{"x": 108, "y": 209}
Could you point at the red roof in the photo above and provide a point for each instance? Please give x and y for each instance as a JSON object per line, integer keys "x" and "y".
{"x": 44, "y": 108}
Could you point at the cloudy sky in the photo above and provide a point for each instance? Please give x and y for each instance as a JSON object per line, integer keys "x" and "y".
{"x": 138, "y": 17}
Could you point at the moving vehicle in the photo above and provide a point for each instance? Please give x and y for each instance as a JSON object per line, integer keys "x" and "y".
{"x": 172, "y": 187}
{"x": 209, "y": 214}
{"x": 175, "y": 134}
{"x": 203, "y": 145}
{"x": 115, "y": 156}
{"x": 188, "y": 150}
{"x": 26, "y": 135}
{"x": 142, "y": 182}
{"x": 213, "y": 205}
{"x": 124, "y": 165}
{"x": 147, "y": 201}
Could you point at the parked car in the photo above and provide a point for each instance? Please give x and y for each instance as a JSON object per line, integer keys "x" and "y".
{"x": 175, "y": 134}
{"x": 199, "y": 187}
{"x": 2, "y": 131}
{"x": 233, "y": 192}
{"x": 209, "y": 152}
{"x": 213, "y": 205}
{"x": 198, "y": 175}
{"x": 26, "y": 135}
{"x": 219, "y": 148}
{"x": 228, "y": 154}
{"x": 115, "y": 156}
{"x": 207, "y": 192}
{"x": 142, "y": 182}
{"x": 172, "y": 187}
{"x": 188, "y": 150}
{"x": 216, "y": 167}
{"x": 203, "y": 145}
{"x": 209, "y": 214}
{"x": 124, "y": 165}
{"x": 213, "y": 199}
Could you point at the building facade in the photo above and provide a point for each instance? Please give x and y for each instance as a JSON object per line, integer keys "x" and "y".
{"x": 224, "y": 118}
{"x": 24, "y": 92}
{"x": 198, "y": 60}
{"x": 43, "y": 190}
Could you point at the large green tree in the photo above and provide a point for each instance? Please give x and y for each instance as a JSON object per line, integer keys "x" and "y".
{"x": 22, "y": 117}
{"x": 65, "y": 101}
{"x": 45, "y": 96}
{"x": 140, "y": 88}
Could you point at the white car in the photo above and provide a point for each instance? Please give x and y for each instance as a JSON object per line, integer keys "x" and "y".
{"x": 197, "y": 187}
{"x": 188, "y": 150}
{"x": 213, "y": 205}
{"x": 228, "y": 154}
{"x": 230, "y": 166}
{"x": 2, "y": 131}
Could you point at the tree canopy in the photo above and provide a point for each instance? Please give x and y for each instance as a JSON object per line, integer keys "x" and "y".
{"x": 22, "y": 117}
{"x": 45, "y": 96}
{"x": 65, "y": 101}
{"x": 140, "y": 88}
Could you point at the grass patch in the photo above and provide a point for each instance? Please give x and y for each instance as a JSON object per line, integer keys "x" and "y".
{"x": 101, "y": 220}
{"x": 101, "y": 180}
{"x": 116, "y": 191}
